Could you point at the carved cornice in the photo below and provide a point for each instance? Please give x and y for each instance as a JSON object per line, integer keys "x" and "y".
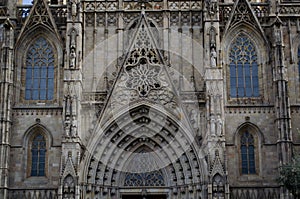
{"x": 249, "y": 110}
{"x": 37, "y": 111}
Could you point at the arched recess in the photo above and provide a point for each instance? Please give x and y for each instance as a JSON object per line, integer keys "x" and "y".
{"x": 262, "y": 52}
{"x": 249, "y": 129}
{"x": 35, "y": 131}
{"x": 152, "y": 137}
{"x": 23, "y": 45}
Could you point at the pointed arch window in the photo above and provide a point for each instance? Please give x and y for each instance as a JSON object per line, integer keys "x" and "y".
{"x": 247, "y": 153}
{"x": 38, "y": 155}
{"x": 40, "y": 61}
{"x": 243, "y": 68}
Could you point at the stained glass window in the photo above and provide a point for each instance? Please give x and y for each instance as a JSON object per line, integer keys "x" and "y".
{"x": 40, "y": 71}
{"x": 243, "y": 68}
{"x": 38, "y": 155}
{"x": 247, "y": 153}
{"x": 154, "y": 178}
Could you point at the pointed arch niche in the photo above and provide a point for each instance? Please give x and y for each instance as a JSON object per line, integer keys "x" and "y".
{"x": 144, "y": 148}
{"x": 245, "y": 57}
{"x": 38, "y": 59}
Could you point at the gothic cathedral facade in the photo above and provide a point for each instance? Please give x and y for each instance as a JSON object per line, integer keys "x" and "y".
{"x": 148, "y": 99}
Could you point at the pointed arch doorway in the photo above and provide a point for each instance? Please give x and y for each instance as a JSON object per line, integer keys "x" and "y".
{"x": 144, "y": 149}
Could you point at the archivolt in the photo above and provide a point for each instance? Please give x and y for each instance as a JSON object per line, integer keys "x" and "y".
{"x": 143, "y": 128}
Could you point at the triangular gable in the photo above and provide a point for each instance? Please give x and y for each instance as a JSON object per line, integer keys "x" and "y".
{"x": 143, "y": 77}
{"x": 242, "y": 13}
{"x": 40, "y": 14}
{"x": 217, "y": 166}
{"x": 69, "y": 168}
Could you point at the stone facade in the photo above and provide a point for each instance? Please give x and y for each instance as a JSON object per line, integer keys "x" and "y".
{"x": 143, "y": 103}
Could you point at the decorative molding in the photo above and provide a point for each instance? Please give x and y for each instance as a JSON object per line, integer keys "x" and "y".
{"x": 184, "y": 5}
{"x": 37, "y": 111}
{"x": 249, "y": 110}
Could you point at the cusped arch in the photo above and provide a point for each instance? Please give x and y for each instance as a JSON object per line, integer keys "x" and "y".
{"x": 143, "y": 127}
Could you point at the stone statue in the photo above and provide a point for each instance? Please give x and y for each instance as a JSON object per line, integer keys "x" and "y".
{"x": 68, "y": 105}
{"x": 73, "y": 35}
{"x": 213, "y": 58}
{"x": 72, "y": 58}
{"x": 74, "y": 127}
{"x": 219, "y": 125}
{"x": 212, "y": 125}
{"x": 73, "y": 8}
{"x": 67, "y": 126}
{"x": 74, "y": 106}
{"x": 212, "y": 37}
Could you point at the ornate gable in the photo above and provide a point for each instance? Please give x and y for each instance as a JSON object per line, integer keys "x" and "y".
{"x": 40, "y": 15}
{"x": 143, "y": 77}
{"x": 242, "y": 12}
{"x": 69, "y": 168}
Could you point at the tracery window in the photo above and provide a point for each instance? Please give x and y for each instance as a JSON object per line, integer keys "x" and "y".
{"x": 154, "y": 178}
{"x": 40, "y": 61}
{"x": 38, "y": 155}
{"x": 247, "y": 153}
{"x": 243, "y": 68}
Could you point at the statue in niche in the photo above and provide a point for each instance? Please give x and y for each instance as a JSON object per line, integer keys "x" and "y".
{"x": 73, "y": 8}
{"x": 68, "y": 105}
{"x": 212, "y": 125}
{"x": 212, "y": 37}
{"x": 74, "y": 127}
{"x": 213, "y": 57}
{"x": 219, "y": 126}
{"x": 212, "y": 44}
{"x": 74, "y": 106}
{"x": 72, "y": 58}
{"x": 67, "y": 126}
{"x": 73, "y": 36}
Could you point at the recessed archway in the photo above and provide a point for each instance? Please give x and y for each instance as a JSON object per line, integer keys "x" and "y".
{"x": 148, "y": 146}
